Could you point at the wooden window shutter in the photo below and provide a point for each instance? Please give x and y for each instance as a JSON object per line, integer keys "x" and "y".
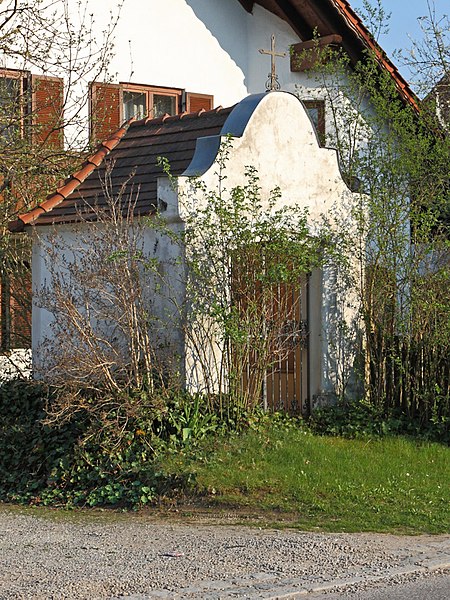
{"x": 47, "y": 107}
{"x": 4, "y": 313}
{"x": 195, "y": 102}
{"x": 105, "y": 110}
{"x": 3, "y": 185}
{"x": 20, "y": 309}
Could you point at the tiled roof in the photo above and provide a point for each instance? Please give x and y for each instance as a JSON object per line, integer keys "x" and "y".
{"x": 363, "y": 33}
{"x": 135, "y": 160}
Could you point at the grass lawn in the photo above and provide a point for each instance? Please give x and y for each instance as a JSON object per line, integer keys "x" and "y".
{"x": 389, "y": 485}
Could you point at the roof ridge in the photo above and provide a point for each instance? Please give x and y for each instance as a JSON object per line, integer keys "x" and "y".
{"x": 178, "y": 117}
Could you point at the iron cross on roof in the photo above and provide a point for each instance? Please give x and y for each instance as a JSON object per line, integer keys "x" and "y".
{"x": 272, "y": 83}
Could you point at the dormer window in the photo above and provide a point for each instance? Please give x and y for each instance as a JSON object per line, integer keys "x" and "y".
{"x": 134, "y": 105}
{"x": 149, "y": 101}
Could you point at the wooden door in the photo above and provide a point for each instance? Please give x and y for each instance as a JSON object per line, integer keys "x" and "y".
{"x": 286, "y": 384}
{"x": 274, "y": 362}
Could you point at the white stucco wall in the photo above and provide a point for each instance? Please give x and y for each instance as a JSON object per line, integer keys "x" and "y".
{"x": 56, "y": 248}
{"x": 280, "y": 142}
{"x": 205, "y": 46}
{"x": 209, "y": 46}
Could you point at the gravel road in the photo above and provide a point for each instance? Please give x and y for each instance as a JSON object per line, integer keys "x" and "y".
{"x": 142, "y": 556}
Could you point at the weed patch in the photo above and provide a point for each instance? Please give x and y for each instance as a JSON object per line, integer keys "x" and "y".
{"x": 257, "y": 462}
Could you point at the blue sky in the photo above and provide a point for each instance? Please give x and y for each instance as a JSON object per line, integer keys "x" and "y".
{"x": 403, "y": 23}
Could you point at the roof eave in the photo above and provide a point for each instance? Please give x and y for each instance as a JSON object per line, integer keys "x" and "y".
{"x": 338, "y": 17}
{"x": 72, "y": 183}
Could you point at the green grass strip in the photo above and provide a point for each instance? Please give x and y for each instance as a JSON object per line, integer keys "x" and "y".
{"x": 392, "y": 484}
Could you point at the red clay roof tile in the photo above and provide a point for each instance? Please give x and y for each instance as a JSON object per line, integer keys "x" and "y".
{"x": 31, "y": 216}
{"x": 51, "y": 202}
{"x": 361, "y": 30}
{"x": 84, "y": 172}
{"x": 97, "y": 158}
{"x": 135, "y": 164}
{"x": 68, "y": 187}
{"x": 71, "y": 183}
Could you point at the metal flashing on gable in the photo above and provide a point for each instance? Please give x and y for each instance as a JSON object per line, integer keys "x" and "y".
{"x": 247, "y": 5}
{"x": 207, "y": 147}
{"x": 240, "y": 115}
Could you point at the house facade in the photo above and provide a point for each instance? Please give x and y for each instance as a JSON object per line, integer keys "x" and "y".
{"x": 209, "y": 54}
{"x": 178, "y": 57}
{"x": 440, "y": 95}
{"x": 170, "y": 56}
{"x": 273, "y": 133}
{"x": 31, "y": 108}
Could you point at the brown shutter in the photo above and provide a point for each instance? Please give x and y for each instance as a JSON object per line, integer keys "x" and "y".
{"x": 2, "y": 188}
{"x": 3, "y": 315}
{"x": 20, "y": 309}
{"x": 105, "y": 110}
{"x": 47, "y": 110}
{"x": 195, "y": 102}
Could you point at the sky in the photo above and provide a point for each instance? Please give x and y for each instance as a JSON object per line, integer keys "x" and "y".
{"x": 403, "y": 24}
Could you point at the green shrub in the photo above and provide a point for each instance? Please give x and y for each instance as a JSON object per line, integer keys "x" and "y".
{"x": 119, "y": 457}
{"x": 29, "y": 450}
{"x": 92, "y": 459}
{"x": 362, "y": 419}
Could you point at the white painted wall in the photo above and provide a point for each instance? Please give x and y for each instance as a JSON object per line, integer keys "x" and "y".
{"x": 55, "y": 249}
{"x": 209, "y": 46}
{"x": 279, "y": 141}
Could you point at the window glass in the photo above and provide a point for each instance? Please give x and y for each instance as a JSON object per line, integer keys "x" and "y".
{"x": 314, "y": 114}
{"x": 134, "y": 105}
{"x": 163, "y": 104}
{"x": 316, "y": 111}
{"x": 9, "y": 107}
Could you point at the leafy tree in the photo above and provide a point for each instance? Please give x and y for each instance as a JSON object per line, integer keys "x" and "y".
{"x": 399, "y": 156}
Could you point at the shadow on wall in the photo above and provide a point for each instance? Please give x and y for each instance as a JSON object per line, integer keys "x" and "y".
{"x": 227, "y": 23}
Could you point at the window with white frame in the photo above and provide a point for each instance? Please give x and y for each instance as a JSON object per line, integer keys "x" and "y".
{"x": 143, "y": 100}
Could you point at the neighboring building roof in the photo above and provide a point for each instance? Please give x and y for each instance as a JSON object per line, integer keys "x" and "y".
{"x": 328, "y": 17}
{"x": 135, "y": 160}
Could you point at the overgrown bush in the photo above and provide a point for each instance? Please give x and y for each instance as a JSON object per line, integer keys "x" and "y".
{"x": 28, "y": 449}
{"x": 92, "y": 459}
{"x": 399, "y": 153}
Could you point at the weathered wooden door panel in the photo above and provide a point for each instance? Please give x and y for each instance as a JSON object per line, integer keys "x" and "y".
{"x": 285, "y": 384}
